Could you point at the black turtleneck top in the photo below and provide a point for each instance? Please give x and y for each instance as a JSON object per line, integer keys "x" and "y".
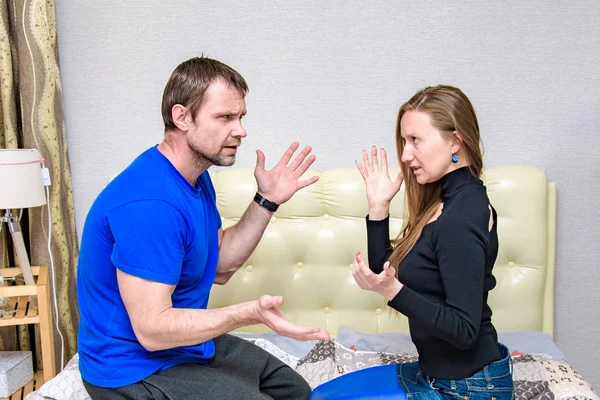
{"x": 447, "y": 276}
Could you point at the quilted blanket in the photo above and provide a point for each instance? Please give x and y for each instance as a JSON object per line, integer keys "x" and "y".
{"x": 536, "y": 376}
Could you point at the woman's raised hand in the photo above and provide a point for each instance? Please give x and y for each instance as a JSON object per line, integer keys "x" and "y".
{"x": 380, "y": 188}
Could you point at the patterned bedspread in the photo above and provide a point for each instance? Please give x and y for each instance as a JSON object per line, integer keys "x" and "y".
{"x": 536, "y": 376}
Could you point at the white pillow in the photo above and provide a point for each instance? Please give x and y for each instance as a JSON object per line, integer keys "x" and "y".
{"x": 67, "y": 385}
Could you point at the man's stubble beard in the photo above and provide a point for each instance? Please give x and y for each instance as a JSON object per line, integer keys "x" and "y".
{"x": 218, "y": 160}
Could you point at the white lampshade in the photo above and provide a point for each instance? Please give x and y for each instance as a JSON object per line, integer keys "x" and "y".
{"x": 21, "y": 183}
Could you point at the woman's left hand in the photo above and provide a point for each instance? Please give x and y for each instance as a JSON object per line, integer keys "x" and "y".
{"x": 384, "y": 283}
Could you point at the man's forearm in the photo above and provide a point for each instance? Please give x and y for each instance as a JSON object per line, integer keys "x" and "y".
{"x": 176, "y": 327}
{"x": 240, "y": 240}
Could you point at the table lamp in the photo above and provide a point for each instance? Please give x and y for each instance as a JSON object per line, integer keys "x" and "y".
{"x": 21, "y": 186}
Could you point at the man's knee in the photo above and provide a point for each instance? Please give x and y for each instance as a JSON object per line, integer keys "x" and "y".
{"x": 304, "y": 391}
{"x": 286, "y": 383}
{"x": 301, "y": 388}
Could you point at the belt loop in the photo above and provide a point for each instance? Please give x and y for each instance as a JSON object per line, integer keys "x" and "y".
{"x": 453, "y": 384}
{"x": 490, "y": 385}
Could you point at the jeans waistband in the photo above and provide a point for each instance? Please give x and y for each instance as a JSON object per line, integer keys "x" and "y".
{"x": 493, "y": 370}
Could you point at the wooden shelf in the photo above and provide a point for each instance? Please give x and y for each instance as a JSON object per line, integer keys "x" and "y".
{"x": 36, "y": 383}
{"x": 26, "y": 313}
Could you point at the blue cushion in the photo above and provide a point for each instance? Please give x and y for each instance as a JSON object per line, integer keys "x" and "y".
{"x": 375, "y": 383}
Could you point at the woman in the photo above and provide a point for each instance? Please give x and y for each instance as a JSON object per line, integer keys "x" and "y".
{"x": 438, "y": 272}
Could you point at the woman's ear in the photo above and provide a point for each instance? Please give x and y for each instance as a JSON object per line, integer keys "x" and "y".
{"x": 179, "y": 115}
{"x": 457, "y": 141}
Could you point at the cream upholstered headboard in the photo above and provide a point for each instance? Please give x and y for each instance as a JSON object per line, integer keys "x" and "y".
{"x": 308, "y": 248}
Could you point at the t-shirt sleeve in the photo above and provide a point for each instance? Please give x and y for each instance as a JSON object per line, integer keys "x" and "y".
{"x": 149, "y": 240}
{"x": 461, "y": 251}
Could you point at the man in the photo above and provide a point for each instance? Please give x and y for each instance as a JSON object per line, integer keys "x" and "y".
{"x": 152, "y": 247}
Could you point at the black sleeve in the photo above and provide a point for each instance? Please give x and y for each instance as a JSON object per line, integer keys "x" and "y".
{"x": 462, "y": 239}
{"x": 378, "y": 243}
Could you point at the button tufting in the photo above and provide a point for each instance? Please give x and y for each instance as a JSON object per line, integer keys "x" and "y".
{"x": 326, "y": 310}
{"x": 326, "y": 216}
{"x": 510, "y": 263}
{"x": 378, "y": 311}
{"x": 299, "y": 265}
{"x": 249, "y": 268}
{"x": 273, "y": 219}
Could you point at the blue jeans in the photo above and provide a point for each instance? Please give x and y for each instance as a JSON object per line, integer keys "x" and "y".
{"x": 494, "y": 381}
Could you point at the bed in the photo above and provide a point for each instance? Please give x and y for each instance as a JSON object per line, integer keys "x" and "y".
{"x": 306, "y": 255}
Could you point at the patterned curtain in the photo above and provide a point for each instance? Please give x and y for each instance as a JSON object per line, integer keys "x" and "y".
{"x": 32, "y": 117}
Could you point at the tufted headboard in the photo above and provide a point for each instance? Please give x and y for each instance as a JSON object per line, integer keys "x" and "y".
{"x": 307, "y": 251}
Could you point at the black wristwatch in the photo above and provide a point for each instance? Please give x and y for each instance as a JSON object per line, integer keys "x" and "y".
{"x": 269, "y": 205}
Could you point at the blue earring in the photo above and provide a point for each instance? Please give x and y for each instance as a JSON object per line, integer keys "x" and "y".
{"x": 454, "y": 158}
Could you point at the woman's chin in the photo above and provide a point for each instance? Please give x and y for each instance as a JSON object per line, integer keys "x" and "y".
{"x": 421, "y": 179}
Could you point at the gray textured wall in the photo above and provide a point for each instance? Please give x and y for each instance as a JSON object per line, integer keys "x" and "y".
{"x": 333, "y": 74}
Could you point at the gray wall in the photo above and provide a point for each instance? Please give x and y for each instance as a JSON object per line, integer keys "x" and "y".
{"x": 333, "y": 73}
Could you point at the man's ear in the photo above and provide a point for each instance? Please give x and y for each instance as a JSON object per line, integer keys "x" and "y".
{"x": 179, "y": 114}
{"x": 457, "y": 141}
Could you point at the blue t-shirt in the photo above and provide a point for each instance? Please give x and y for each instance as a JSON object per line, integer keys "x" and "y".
{"x": 151, "y": 223}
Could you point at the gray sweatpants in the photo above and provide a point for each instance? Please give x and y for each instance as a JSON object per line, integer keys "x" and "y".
{"x": 239, "y": 370}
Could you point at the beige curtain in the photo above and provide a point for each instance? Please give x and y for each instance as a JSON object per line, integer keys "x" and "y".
{"x": 32, "y": 117}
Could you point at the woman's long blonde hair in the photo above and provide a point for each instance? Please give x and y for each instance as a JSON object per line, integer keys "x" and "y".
{"x": 450, "y": 111}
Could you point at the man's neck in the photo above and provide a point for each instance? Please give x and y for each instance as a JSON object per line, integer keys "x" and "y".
{"x": 184, "y": 160}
